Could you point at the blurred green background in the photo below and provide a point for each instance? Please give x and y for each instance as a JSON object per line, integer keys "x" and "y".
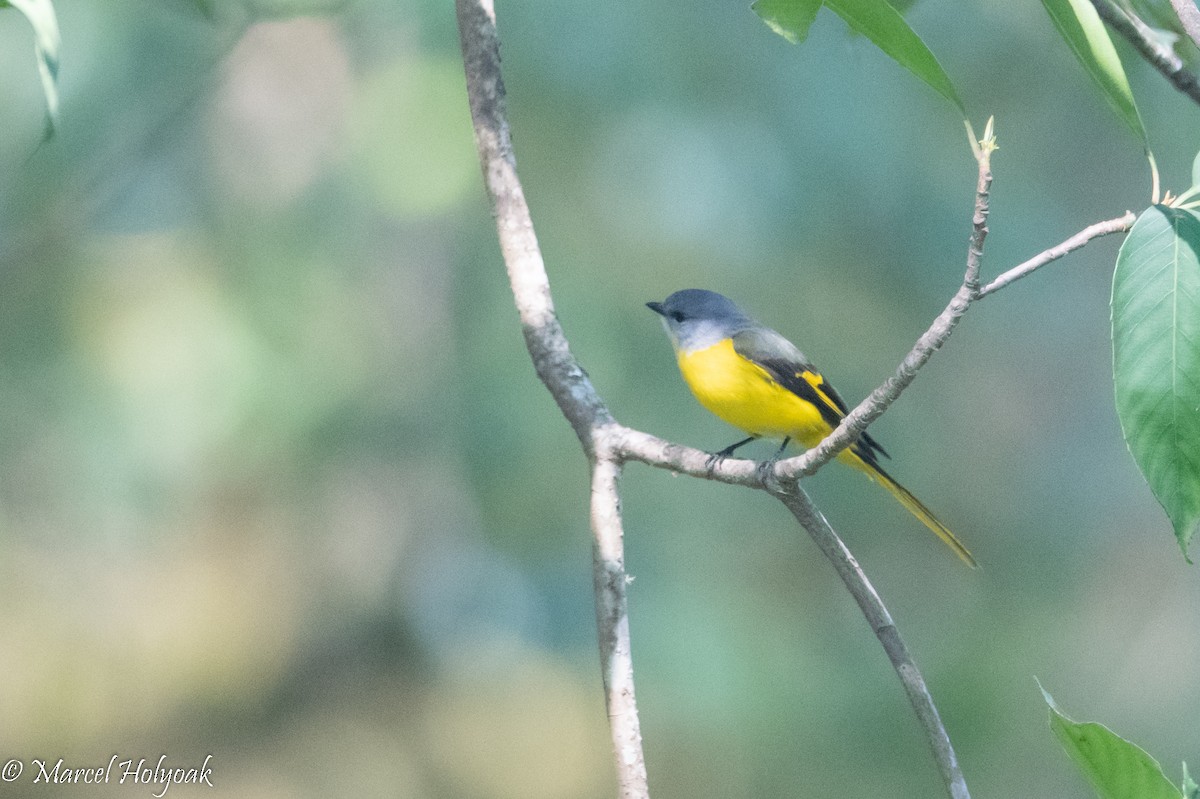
{"x": 278, "y": 483}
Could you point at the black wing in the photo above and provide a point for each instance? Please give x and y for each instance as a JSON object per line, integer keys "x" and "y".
{"x": 794, "y": 372}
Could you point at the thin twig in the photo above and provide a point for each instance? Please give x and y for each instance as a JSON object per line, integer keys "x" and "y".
{"x": 983, "y": 184}
{"x": 653, "y": 451}
{"x": 1158, "y": 55}
{"x": 1189, "y": 17}
{"x": 636, "y": 445}
{"x": 1118, "y": 225}
{"x": 885, "y": 630}
{"x": 871, "y": 408}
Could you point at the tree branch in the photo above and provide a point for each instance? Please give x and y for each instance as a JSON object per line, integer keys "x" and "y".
{"x": 653, "y": 451}
{"x": 1119, "y": 225}
{"x": 562, "y": 375}
{"x": 885, "y": 630}
{"x": 656, "y": 452}
{"x": 855, "y": 423}
{"x": 1189, "y": 16}
{"x": 544, "y": 337}
{"x": 608, "y": 444}
{"x": 1158, "y": 55}
{"x": 643, "y": 447}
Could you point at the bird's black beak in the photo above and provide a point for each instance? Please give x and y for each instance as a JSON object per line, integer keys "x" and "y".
{"x": 656, "y": 307}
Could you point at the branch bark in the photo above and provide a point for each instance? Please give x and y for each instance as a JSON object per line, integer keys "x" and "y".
{"x": 1156, "y": 54}
{"x": 1119, "y": 225}
{"x": 564, "y": 378}
{"x": 885, "y": 630}
{"x": 612, "y": 628}
{"x": 544, "y": 338}
{"x": 855, "y": 423}
{"x": 1189, "y": 16}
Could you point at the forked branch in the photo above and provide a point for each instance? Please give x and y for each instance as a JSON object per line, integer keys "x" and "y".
{"x": 609, "y": 444}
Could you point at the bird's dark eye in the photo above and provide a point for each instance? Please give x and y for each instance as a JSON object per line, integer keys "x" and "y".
{"x": 677, "y": 316}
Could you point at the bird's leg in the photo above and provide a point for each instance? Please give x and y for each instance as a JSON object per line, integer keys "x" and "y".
{"x": 765, "y": 467}
{"x": 717, "y": 457}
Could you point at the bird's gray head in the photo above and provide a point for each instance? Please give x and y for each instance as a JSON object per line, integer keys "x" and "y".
{"x": 696, "y": 319}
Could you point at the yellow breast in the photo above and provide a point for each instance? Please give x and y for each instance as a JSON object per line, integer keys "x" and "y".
{"x": 745, "y": 395}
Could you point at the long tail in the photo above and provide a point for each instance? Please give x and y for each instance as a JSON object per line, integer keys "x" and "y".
{"x": 914, "y": 506}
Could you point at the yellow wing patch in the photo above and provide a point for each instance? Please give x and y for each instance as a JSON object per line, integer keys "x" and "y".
{"x": 818, "y": 382}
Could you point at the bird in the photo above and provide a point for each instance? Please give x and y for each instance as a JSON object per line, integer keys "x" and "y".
{"x": 753, "y": 378}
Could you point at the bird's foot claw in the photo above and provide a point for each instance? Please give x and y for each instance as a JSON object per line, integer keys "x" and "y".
{"x": 766, "y": 471}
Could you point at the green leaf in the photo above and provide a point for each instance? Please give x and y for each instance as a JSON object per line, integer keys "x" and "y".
{"x": 884, "y": 26}
{"x": 1116, "y": 768}
{"x": 1196, "y": 171}
{"x": 789, "y": 18}
{"x": 1156, "y": 358}
{"x": 1081, "y": 27}
{"x": 46, "y": 44}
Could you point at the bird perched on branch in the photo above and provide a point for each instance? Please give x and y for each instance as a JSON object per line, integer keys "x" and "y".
{"x": 756, "y": 380}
